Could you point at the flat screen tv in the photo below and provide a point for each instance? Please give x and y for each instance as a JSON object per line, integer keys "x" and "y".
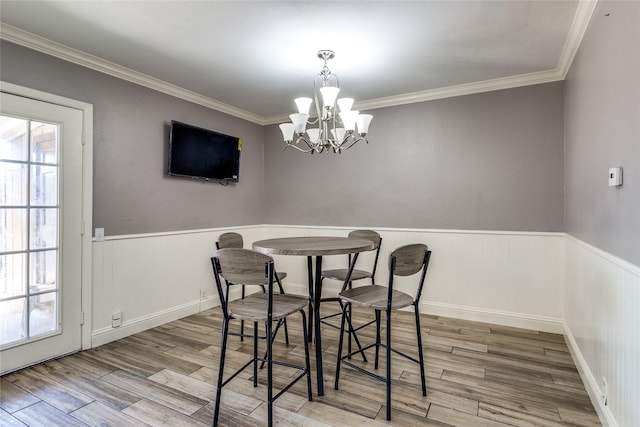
{"x": 200, "y": 153}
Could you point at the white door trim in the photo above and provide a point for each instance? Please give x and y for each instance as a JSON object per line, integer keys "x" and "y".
{"x": 87, "y": 191}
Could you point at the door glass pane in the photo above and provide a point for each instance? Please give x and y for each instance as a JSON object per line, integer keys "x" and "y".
{"x": 43, "y": 316}
{"x": 12, "y": 321}
{"x": 43, "y": 228}
{"x": 43, "y": 271}
{"x": 44, "y": 185}
{"x": 13, "y": 138}
{"x": 12, "y": 275}
{"x": 44, "y": 143}
{"x": 14, "y": 230}
{"x": 13, "y": 184}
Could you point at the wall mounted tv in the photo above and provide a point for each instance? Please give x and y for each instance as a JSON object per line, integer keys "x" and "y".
{"x": 200, "y": 153}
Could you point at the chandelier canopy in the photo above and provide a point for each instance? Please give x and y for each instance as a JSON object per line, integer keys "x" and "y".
{"x": 334, "y": 126}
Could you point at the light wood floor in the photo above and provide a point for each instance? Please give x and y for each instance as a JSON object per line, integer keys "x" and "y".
{"x": 477, "y": 375}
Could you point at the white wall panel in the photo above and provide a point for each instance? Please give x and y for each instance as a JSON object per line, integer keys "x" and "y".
{"x": 602, "y": 305}
{"x": 509, "y": 278}
{"x": 153, "y": 279}
{"x": 513, "y": 278}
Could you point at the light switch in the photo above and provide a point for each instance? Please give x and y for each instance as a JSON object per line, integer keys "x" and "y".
{"x": 615, "y": 177}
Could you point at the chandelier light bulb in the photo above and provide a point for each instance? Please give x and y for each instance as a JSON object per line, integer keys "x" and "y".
{"x": 338, "y": 134}
{"x": 363, "y": 121}
{"x": 314, "y": 134}
{"x": 345, "y": 104}
{"x": 287, "y": 130}
{"x": 303, "y": 104}
{"x": 329, "y": 95}
{"x": 349, "y": 120}
{"x": 299, "y": 121}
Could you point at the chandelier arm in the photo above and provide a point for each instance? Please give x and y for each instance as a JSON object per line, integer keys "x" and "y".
{"x": 293, "y": 145}
{"x": 355, "y": 140}
{"x": 308, "y": 143}
{"x": 297, "y": 148}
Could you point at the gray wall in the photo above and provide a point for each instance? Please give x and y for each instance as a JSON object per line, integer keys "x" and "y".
{"x": 132, "y": 192}
{"x": 602, "y": 121}
{"x": 490, "y": 161}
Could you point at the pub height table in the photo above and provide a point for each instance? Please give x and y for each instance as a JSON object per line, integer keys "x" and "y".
{"x": 315, "y": 246}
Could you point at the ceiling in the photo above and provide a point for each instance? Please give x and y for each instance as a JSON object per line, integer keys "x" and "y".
{"x": 251, "y": 58}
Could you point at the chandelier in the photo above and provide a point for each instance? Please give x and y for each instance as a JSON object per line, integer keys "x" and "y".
{"x": 334, "y": 126}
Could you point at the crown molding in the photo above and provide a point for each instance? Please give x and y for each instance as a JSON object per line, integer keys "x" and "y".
{"x": 464, "y": 89}
{"x": 448, "y": 92}
{"x": 40, "y": 44}
{"x": 510, "y": 82}
{"x": 579, "y": 25}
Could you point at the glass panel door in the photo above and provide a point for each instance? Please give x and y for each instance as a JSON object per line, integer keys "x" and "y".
{"x": 40, "y": 231}
{"x": 29, "y": 249}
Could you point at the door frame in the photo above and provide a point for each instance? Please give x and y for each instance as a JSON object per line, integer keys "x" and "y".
{"x": 87, "y": 194}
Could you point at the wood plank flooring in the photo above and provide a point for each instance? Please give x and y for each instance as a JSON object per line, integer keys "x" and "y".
{"x": 477, "y": 375}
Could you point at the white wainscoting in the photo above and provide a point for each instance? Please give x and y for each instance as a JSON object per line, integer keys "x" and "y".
{"x": 509, "y": 278}
{"x": 153, "y": 279}
{"x": 602, "y": 327}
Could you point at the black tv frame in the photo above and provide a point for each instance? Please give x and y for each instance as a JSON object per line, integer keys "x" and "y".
{"x": 204, "y": 154}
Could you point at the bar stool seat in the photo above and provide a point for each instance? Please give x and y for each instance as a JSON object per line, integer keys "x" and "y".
{"x": 341, "y": 274}
{"x": 250, "y": 308}
{"x": 376, "y": 297}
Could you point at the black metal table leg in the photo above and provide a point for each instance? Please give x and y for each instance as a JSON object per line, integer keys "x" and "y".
{"x": 316, "y": 312}
{"x": 315, "y": 296}
{"x": 311, "y": 300}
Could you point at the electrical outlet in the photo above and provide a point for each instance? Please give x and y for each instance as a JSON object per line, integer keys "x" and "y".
{"x": 604, "y": 391}
{"x": 203, "y": 294}
{"x": 99, "y": 234}
{"x": 116, "y": 319}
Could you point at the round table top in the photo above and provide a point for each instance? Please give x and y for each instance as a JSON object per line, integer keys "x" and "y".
{"x": 312, "y": 245}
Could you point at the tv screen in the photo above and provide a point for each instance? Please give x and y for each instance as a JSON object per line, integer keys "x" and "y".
{"x": 204, "y": 154}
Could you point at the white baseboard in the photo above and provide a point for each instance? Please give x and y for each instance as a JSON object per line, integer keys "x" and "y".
{"x": 130, "y": 327}
{"x": 106, "y": 335}
{"x": 504, "y": 318}
{"x": 604, "y": 413}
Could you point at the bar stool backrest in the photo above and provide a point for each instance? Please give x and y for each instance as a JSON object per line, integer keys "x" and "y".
{"x": 243, "y": 266}
{"x": 376, "y": 239}
{"x": 229, "y": 240}
{"x": 409, "y": 259}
